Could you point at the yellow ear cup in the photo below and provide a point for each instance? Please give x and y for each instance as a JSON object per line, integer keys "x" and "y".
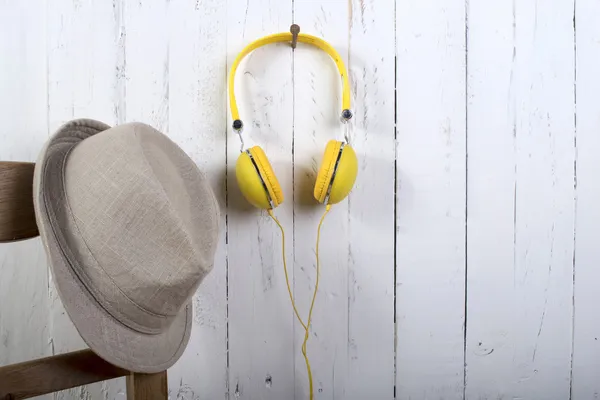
{"x": 268, "y": 175}
{"x": 326, "y": 171}
{"x": 257, "y": 180}
{"x": 340, "y": 177}
{"x": 345, "y": 175}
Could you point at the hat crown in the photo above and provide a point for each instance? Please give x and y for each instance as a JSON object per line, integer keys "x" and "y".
{"x": 144, "y": 223}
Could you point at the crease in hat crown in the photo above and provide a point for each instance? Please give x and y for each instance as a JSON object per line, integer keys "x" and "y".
{"x": 132, "y": 221}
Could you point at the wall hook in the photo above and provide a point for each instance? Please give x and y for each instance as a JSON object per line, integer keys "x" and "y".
{"x": 295, "y": 30}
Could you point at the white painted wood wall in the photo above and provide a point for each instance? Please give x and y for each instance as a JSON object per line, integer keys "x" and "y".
{"x": 464, "y": 265}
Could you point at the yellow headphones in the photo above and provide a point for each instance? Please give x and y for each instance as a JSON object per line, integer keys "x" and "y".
{"x": 254, "y": 173}
{"x": 258, "y": 182}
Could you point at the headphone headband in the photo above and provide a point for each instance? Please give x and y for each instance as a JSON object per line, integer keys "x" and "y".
{"x": 287, "y": 37}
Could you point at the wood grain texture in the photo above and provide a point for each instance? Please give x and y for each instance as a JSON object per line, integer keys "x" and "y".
{"x": 17, "y": 217}
{"x": 431, "y": 203}
{"x": 197, "y": 123}
{"x": 586, "y": 334}
{"x": 520, "y": 259}
{"x": 317, "y": 109}
{"x": 24, "y": 305}
{"x": 371, "y": 64}
{"x": 492, "y": 159}
{"x": 146, "y": 66}
{"x": 261, "y": 330}
{"x": 147, "y": 386}
{"x": 51, "y": 374}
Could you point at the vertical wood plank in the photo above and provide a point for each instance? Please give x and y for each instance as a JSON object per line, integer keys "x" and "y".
{"x": 371, "y": 64}
{"x": 197, "y": 123}
{"x": 147, "y": 63}
{"x": 147, "y": 386}
{"x": 85, "y": 63}
{"x": 430, "y": 236}
{"x": 586, "y": 353}
{"x": 317, "y": 109}
{"x": 261, "y": 356}
{"x": 24, "y": 301}
{"x": 492, "y": 107}
{"x": 521, "y": 199}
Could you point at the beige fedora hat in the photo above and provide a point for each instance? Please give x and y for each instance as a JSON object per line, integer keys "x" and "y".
{"x": 130, "y": 227}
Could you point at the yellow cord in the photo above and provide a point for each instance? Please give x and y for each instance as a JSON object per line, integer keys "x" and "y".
{"x": 287, "y": 37}
{"x": 312, "y": 304}
{"x": 287, "y": 279}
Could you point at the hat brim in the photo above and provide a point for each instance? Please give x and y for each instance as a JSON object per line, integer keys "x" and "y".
{"x": 107, "y": 337}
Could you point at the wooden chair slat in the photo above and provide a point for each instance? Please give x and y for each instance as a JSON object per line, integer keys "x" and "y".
{"x": 51, "y": 374}
{"x": 17, "y": 217}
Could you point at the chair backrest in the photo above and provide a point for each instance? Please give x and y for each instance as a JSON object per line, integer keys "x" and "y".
{"x": 65, "y": 371}
{"x": 17, "y": 218}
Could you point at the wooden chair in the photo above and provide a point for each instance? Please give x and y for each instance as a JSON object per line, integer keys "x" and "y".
{"x": 65, "y": 371}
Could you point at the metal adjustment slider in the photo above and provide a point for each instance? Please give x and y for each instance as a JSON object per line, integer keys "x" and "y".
{"x": 345, "y": 117}
{"x": 238, "y": 127}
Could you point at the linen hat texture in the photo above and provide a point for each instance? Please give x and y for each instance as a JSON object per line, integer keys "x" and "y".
{"x": 130, "y": 227}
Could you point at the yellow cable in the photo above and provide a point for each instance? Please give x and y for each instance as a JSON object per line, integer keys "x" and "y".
{"x": 312, "y": 304}
{"x": 287, "y": 37}
{"x": 287, "y": 279}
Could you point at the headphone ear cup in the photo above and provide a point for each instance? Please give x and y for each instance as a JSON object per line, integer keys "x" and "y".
{"x": 326, "y": 170}
{"x": 345, "y": 175}
{"x": 267, "y": 174}
{"x": 256, "y": 179}
{"x": 340, "y": 177}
